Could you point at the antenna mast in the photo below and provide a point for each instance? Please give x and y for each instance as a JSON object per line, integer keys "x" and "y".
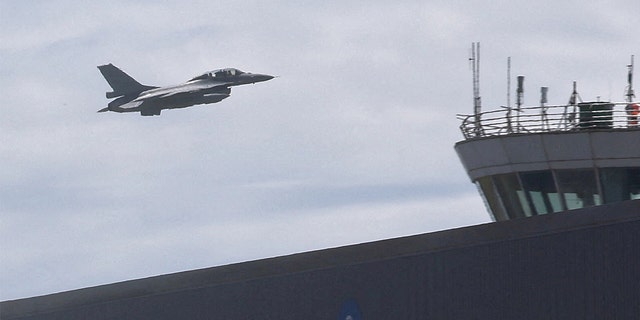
{"x": 630, "y": 95}
{"x": 570, "y": 118}
{"x": 509, "y": 126}
{"x": 475, "y": 65}
{"x": 520, "y": 92}
{"x": 632, "y": 109}
{"x": 543, "y": 107}
{"x": 519, "y": 100}
{"x": 509, "y": 82}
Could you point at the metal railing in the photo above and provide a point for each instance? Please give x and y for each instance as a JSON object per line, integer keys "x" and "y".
{"x": 582, "y": 116}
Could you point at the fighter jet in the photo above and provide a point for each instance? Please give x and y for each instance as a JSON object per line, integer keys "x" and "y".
{"x": 210, "y": 87}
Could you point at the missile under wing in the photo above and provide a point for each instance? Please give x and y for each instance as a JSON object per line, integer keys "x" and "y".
{"x": 131, "y": 96}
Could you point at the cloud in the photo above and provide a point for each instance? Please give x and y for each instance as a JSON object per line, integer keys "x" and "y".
{"x": 103, "y": 247}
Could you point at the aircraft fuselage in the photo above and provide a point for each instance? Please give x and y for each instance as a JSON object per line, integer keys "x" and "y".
{"x": 210, "y": 87}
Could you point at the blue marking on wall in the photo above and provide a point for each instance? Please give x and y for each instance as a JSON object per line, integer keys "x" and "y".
{"x": 350, "y": 311}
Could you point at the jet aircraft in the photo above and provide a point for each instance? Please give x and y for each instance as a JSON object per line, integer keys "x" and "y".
{"x": 210, "y": 87}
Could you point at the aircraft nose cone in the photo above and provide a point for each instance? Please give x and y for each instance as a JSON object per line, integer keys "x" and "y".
{"x": 262, "y": 77}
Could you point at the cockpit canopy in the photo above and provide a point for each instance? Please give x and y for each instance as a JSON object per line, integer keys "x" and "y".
{"x": 219, "y": 74}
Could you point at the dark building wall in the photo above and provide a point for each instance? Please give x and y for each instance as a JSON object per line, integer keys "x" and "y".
{"x": 578, "y": 265}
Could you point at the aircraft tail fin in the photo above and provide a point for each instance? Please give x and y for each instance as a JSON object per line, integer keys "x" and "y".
{"x": 122, "y": 83}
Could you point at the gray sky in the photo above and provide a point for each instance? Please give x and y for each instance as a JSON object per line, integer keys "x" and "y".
{"x": 352, "y": 143}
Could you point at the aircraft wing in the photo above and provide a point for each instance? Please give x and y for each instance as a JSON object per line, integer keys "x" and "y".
{"x": 131, "y": 105}
{"x": 184, "y": 89}
{"x": 174, "y": 93}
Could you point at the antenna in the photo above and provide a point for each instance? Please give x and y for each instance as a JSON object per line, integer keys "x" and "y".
{"x": 574, "y": 95}
{"x": 630, "y": 95}
{"x": 631, "y": 108}
{"x": 543, "y": 108}
{"x": 570, "y": 118}
{"x": 519, "y": 100}
{"x": 509, "y": 82}
{"x": 509, "y": 126}
{"x": 543, "y": 95}
{"x": 475, "y": 65}
{"x": 520, "y": 92}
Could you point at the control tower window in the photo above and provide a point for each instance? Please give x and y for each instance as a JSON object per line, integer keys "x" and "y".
{"x": 578, "y": 188}
{"x": 512, "y": 195}
{"x": 491, "y": 198}
{"x": 634, "y": 183}
{"x": 525, "y": 194}
{"x": 541, "y": 191}
{"x": 620, "y": 184}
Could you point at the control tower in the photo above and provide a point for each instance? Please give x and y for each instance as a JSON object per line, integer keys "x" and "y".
{"x": 536, "y": 160}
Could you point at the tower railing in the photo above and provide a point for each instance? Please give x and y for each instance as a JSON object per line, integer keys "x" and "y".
{"x": 551, "y": 118}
